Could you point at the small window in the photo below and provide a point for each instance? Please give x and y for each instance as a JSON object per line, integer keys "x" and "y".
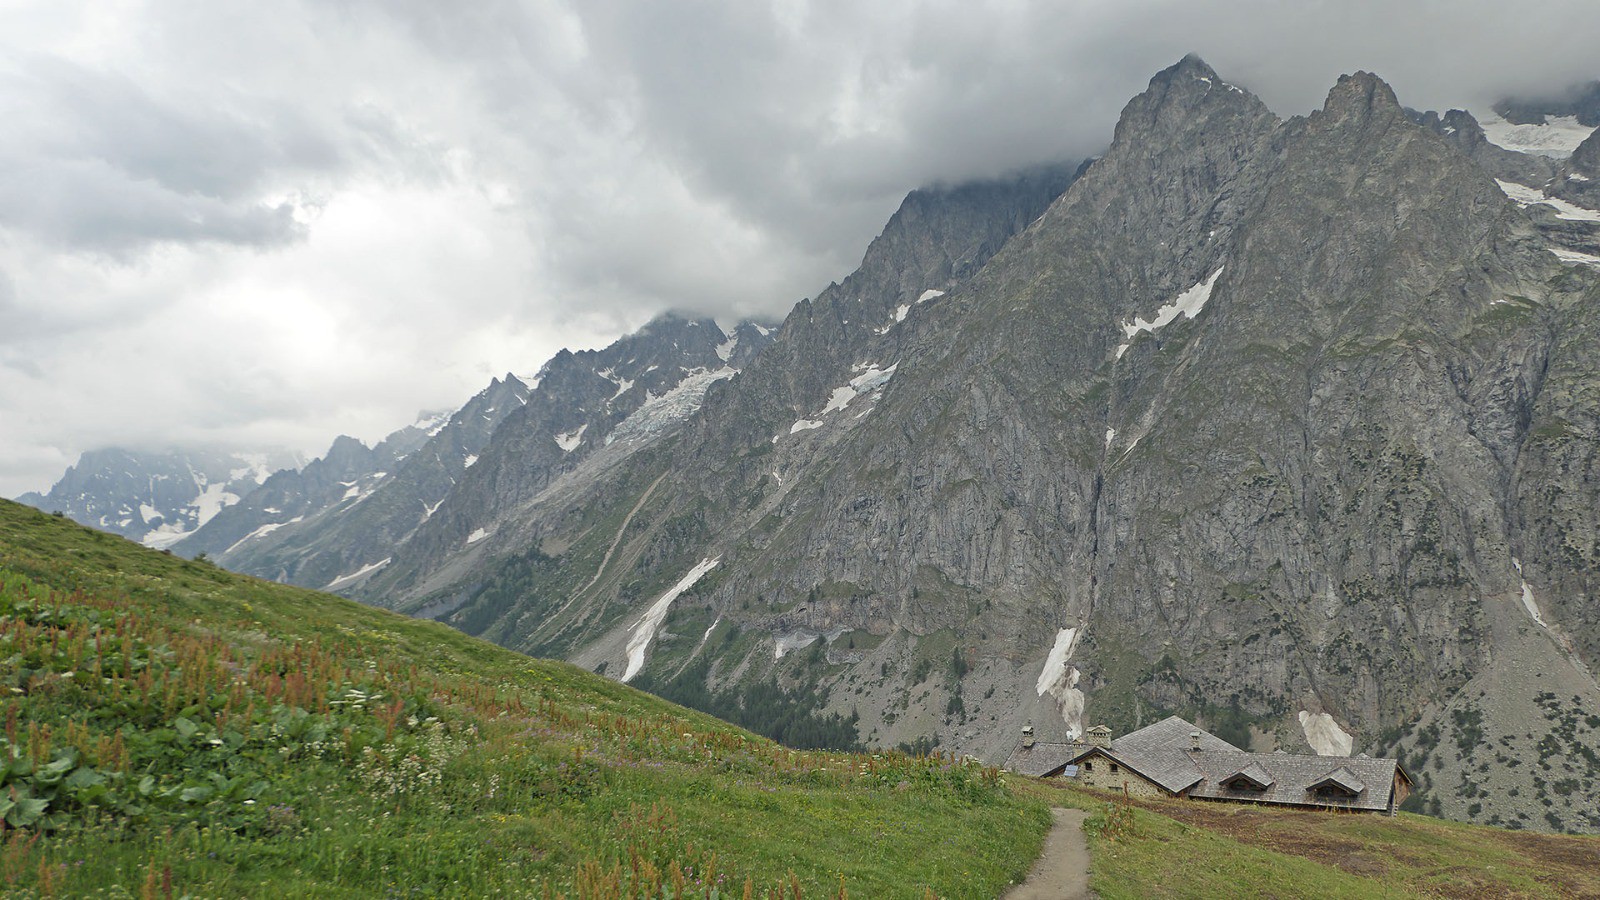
{"x": 1114, "y": 769}
{"x": 1088, "y": 767}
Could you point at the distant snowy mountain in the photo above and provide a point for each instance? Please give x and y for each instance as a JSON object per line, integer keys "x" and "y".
{"x": 336, "y": 521}
{"x": 591, "y": 412}
{"x": 157, "y": 498}
{"x": 447, "y": 482}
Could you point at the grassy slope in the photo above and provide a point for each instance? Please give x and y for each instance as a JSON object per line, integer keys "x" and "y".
{"x": 192, "y": 731}
{"x": 1183, "y": 848}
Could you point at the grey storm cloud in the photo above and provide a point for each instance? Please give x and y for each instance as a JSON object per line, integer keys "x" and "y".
{"x": 269, "y": 224}
{"x": 92, "y": 161}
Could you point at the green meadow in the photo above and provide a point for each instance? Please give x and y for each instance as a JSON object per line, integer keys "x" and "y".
{"x": 173, "y": 730}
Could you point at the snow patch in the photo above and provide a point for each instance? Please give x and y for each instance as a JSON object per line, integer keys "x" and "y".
{"x": 1060, "y": 681}
{"x": 840, "y": 399}
{"x": 1572, "y": 256}
{"x": 471, "y": 458}
{"x": 783, "y": 644}
{"x": 799, "y": 639}
{"x": 1055, "y": 664}
{"x": 870, "y": 381}
{"x": 263, "y": 530}
{"x": 568, "y": 440}
{"x": 1324, "y": 734}
{"x": 726, "y": 348}
{"x": 1111, "y": 435}
{"x": 477, "y": 535}
{"x": 211, "y": 501}
{"x": 1521, "y": 193}
{"x": 428, "y": 511}
{"x": 1187, "y": 304}
{"x": 1528, "y": 603}
{"x": 432, "y": 424}
{"x": 165, "y": 536}
{"x": 150, "y": 514}
{"x": 624, "y": 384}
{"x": 644, "y": 631}
{"x": 714, "y": 623}
{"x": 900, "y": 313}
{"x": 343, "y": 580}
{"x": 929, "y": 294}
{"x": 1556, "y": 139}
{"x": 659, "y": 414}
{"x": 1525, "y": 196}
{"x": 1571, "y": 211}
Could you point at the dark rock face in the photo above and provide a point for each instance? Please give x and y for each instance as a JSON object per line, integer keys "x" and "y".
{"x": 156, "y": 497}
{"x": 590, "y": 409}
{"x": 1561, "y": 195}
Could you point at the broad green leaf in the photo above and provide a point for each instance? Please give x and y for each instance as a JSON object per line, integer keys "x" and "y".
{"x": 26, "y": 811}
{"x": 84, "y": 777}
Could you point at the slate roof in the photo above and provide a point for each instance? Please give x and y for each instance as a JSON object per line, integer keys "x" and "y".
{"x": 1295, "y": 779}
{"x": 1252, "y": 773}
{"x": 1163, "y": 753}
{"x": 1042, "y": 759}
{"x": 1171, "y": 769}
{"x": 1171, "y": 733}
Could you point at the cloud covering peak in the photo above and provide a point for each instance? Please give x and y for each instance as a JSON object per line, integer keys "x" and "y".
{"x": 248, "y": 225}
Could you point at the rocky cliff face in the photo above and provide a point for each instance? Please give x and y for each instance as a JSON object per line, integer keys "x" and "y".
{"x": 156, "y": 498}
{"x": 590, "y": 412}
{"x": 1286, "y": 426}
{"x": 1548, "y": 164}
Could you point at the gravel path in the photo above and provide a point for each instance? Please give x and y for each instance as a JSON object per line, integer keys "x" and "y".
{"x": 1062, "y": 871}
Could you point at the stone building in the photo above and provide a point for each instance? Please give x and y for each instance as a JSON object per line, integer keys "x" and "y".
{"x": 1175, "y": 758}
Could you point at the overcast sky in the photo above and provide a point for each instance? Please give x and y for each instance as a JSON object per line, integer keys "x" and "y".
{"x": 263, "y": 224}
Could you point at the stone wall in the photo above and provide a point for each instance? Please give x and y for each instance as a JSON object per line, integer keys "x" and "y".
{"x": 1098, "y": 774}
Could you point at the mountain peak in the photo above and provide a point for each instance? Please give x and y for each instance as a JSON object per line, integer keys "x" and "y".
{"x": 1361, "y": 95}
{"x": 1186, "y": 95}
{"x": 1191, "y": 66}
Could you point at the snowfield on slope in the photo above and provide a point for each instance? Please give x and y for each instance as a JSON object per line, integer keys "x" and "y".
{"x": 645, "y": 630}
{"x": 1556, "y": 139}
{"x": 1187, "y": 304}
{"x": 1060, "y": 681}
{"x": 658, "y": 414}
{"x": 869, "y": 383}
{"x": 1525, "y": 196}
{"x": 1324, "y": 734}
{"x": 343, "y": 580}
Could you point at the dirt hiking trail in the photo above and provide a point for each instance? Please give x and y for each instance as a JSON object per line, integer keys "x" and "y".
{"x": 1062, "y": 870}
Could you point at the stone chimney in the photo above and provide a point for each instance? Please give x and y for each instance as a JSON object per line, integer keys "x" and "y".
{"x": 1099, "y": 736}
{"x": 1194, "y": 741}
{"x": 1027, "y": 736}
